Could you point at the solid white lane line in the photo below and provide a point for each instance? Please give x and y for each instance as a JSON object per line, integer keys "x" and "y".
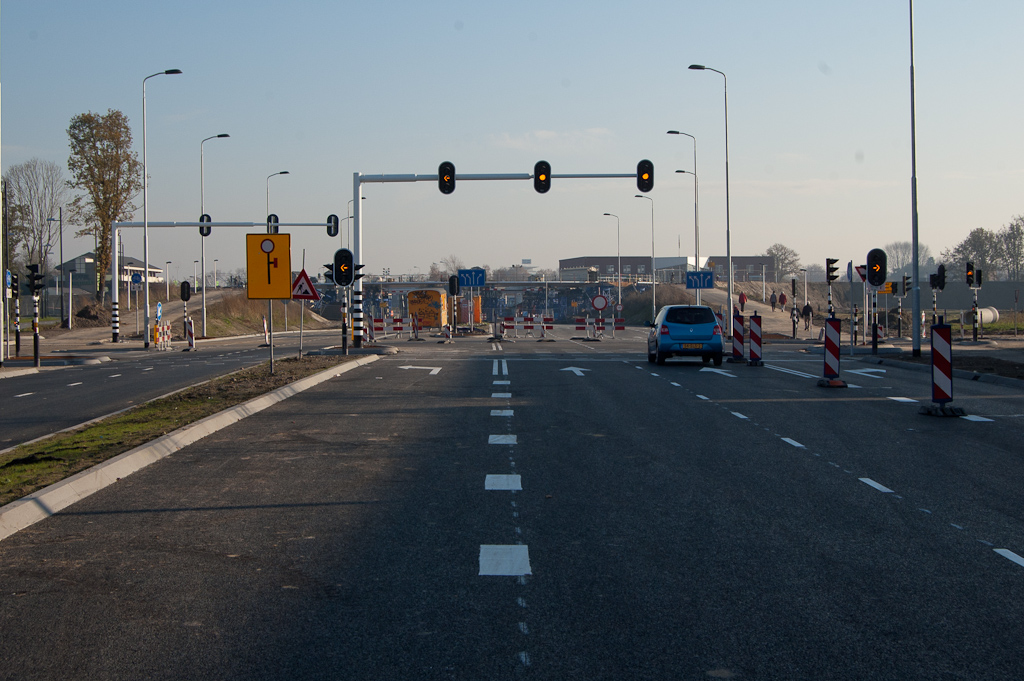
{"x": 501, "y": 439}
{"x": 504, "y": 560}
{"x": 1007, "y": 553}
{"x": 503, "y": 482}
{"x": 878, "y": 486}
{"x": 971, "y": 417}
{"x": 24, "y": 394}
{"x": 499, "y": 396}
{"x": 902, "y": 399}
{"x": 793, "y": 442}
{"x": 501, "y": 412}
{"x": 74, "y": 384}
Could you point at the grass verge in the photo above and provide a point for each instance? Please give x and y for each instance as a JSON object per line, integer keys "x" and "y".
{"x": 31, "y": 467}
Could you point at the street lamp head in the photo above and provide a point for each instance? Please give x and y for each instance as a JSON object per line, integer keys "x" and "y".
{"x": 284, "y": 172}
{"x": 223, "y": 134}
{"x": 172, "y": 72}
{"x": 697, "y": 67}
{"x": 672, "y": 132}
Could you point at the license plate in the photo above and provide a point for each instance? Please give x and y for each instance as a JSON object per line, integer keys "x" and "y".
{"x": 692, "y": 346}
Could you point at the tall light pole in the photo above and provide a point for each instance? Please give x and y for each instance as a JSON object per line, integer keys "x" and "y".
{"x": 696, "y": 228}
{"x": 764, "y": 297}
{"x": 195, "y": 273}
{"x": 916, "y": 333}
{"x": 215, "y": 261}
{"x": 280, "y": 172}
{"x": 167, "y": 281}
{"x": 728, "y": 237}
{"x": 618, "y": 267}
{"x": 145, "y": 198}
{"x": 654, "y": 267}
{"x": 804, "y": 270}
{"x": 60, "y": 220}
{"x": 202, "y": 211}
{"x": 696, "y": 203}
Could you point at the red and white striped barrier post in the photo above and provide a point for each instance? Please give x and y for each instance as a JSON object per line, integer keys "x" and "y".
{"x": 583, "y": 324}
{"x": 528, "y": 326}
{"x": 831, "y": 379}
{"x": 547, "y": 324}
{"x": 619, "y": 325}
{"x": 415, "y": 328}
{"x": 737, "y": 338}
{"x": 755, "y": 341}
{"x": 191, "y": 336}
{"x": 599, "y": 327}
{"x": 266, "y": 333}
{"x": 942, "y": 373}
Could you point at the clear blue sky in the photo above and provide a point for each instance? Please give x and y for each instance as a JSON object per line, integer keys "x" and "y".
{"x": 819, "y": 116}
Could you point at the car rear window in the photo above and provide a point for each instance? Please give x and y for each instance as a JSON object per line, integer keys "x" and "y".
{"x": 690, "y": 315}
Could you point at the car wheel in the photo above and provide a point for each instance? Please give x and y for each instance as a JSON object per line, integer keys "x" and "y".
{"x": 650, "y": 357}
{"x": 718, "y": 360}
{"x": 660, "y": 359}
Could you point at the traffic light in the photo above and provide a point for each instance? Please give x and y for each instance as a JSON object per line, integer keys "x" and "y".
{"x": 906, "y": 284}
{"x": 940, "y": 277}
{"x": 344, "y": 272}
{"x": 333, "y": 225}
{"x": 977, "y": 278}
{"x": 453, "y": 285}
{"x": 272, "y": 221}
{"x": 831, "y": 269}
{"x": 446, "y": 177}
{"x": 645, "y": 176}
{"x": 933, "y": 281}
{"x": 970, "y": 274}
{"x": 356, "y": 268}
{"x": 35, "y": 280}
{"x": 876, "y": 267}
{"x": 15, "y": 291}
{"x": 542, "y": 177}
{"x": 204, "y": 230}
{"x": 329, "y": 275}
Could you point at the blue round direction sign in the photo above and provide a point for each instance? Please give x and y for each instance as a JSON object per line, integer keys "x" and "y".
{"x": 136, "y": 278}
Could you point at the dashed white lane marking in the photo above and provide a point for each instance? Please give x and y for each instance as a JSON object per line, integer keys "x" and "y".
{"x": 739, "y": 415}
{"x": 505, "y": 560}
{"x": 902, "y": 399}
{"x": 501, "y": 382}
{"x": 151, "y": 368}
{"x": 503, "y": 482}
{"x": 501, "y": 412}
{"x": 880, "y": 487}
{"x": 24, "y": 394}
{"x": 494, "y": 368}
{"x": 1010, "y": 555}
{"x": 501, "y": 439}
{"x": 113, "y": 376}
{"x": 655, "y": 375}
{"x": 71, "y": 385}
{"x": 793, "y": 442}
{"x": 500, "y": 396}
{"x": 972, "y": 417}
{"x": 676, "y": 385}
{"x": 703, "y": 397}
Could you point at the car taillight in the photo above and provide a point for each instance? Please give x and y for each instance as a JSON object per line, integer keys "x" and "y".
{"x": 664, "y": 330}
{"x": 718, "y": 330}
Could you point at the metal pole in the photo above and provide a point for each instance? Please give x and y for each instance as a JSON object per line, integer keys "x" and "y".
{"x": 71, "y": 309}
{"x": 913, "y": 196}
{"x": 357, "y": 255}
{"x": 115, "y": 285}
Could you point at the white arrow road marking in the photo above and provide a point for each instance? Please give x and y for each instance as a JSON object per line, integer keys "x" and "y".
{"x": 867, "y": 373}
{"x": 576, "y": 370}
{"x": 720, "y": 371}
{"x": 1007, "y": 553}
{"x": 433, "y": 370}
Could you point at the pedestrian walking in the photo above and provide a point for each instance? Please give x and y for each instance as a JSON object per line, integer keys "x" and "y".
{"x": 807, "y": 312}
{"x": 743, "y": 300}
{"x": 782, "y": 301}
{"x": 774, "y": 300}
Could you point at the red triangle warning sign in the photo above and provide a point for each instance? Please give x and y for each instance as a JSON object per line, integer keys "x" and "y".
{"x": 302, "y": 288}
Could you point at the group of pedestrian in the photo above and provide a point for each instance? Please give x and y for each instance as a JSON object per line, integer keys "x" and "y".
{"x": 780, "y": 300}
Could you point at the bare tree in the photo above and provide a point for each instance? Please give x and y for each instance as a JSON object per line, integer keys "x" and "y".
{"x": 1012, "y": 238}
{"x": 981, "y": 247}
{"x": 452, "y": 264}
{"x": 785, "y": 261}
{"x": 37, "y": 191}
{"x": 900, "y": 256}
{"x": 103, "y": 165}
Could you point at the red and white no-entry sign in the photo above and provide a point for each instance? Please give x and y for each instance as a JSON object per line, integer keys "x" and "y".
{"x": 599, "y": 302}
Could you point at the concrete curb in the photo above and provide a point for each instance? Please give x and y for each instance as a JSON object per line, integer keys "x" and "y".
{"x": 37, "y": 506}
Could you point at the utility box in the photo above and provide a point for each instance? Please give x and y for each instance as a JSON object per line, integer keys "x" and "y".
{"x": 430, "y": 308}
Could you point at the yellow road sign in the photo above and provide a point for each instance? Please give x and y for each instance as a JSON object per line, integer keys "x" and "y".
{"x": 268, "y": 259}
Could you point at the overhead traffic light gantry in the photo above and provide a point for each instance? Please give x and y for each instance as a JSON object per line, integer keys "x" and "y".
{"x": 645, "y": 176}
{"x": 446, "y": 177}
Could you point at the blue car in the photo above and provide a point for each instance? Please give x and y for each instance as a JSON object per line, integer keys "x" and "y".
{"x": 685, "y": 330}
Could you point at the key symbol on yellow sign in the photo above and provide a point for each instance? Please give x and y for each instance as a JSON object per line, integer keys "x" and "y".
{"x": 268, "y": 247}
{"x": 268, "y": 265}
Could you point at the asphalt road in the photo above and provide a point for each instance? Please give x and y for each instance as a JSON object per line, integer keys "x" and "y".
{"x": 672, "y": 523}
{"x": 42, "y": 403}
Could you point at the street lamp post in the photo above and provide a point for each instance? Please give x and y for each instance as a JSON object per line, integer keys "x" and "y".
{"x": 167, "y": 281}
{"x": 654, "y": 267}
{"x": 270, "y": 303}
{"x": 145, "y": 199}
{"x": 60, "y": 220}
{"x": 764, "y": 297}
{"x": 696, "y": 203}
{"x": 215, "y": 261}
{"x": 202, "y": 211}
{"x": 195, "y": 273}
{"x": 618, "y": 267}
{"x": 281, "y": 172}
{"x": 728, "y": 238}
{"x": 804, "y": 270}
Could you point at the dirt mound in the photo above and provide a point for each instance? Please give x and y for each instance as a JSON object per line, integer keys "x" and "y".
{"x": 92, "y": 316}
